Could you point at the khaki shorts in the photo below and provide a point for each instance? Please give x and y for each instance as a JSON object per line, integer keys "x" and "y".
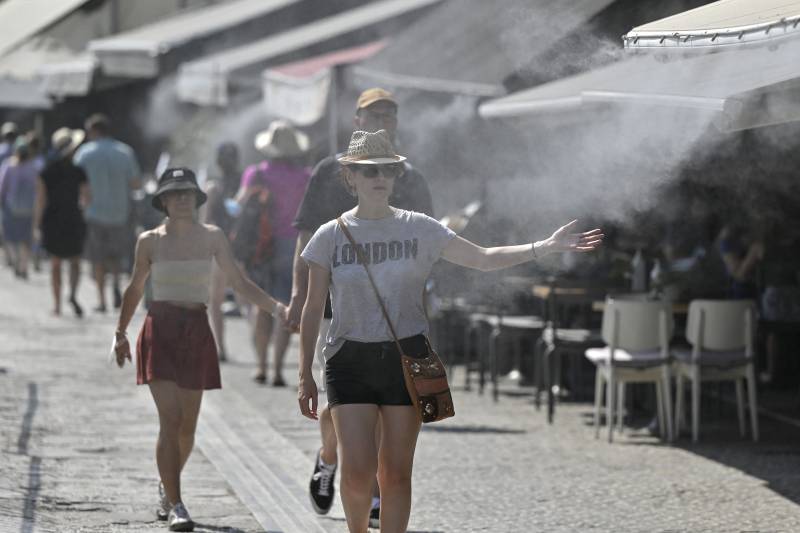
{"x": 105, "y": 242}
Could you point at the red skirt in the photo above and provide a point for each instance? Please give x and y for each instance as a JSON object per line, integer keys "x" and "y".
{"x": 176, "y": 344}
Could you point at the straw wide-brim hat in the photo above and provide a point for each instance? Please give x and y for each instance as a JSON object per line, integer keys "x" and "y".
{"x": 65, "y": 140}
{"x": 370, "y": 149}
{"x": 282, "y": 139}
{"x": 177, "y": 179}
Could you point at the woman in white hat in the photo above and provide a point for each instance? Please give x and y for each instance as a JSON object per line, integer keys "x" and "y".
{"x": 363, "y": 370}
{"x": 62, "y": 191}
{"x": 283, "y": 175}
{"x": 176, "y": 355}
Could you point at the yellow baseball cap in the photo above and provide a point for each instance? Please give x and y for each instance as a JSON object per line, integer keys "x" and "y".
{"x": 376, "y": 94}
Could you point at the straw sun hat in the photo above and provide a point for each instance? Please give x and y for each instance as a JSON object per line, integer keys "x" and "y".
{"x": 370, "y": 149}
{"x": 65, "y": 140}
{"x": 281, "y": 140}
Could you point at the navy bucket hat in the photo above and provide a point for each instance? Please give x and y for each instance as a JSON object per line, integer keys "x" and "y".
{"x": 177, "y": 179}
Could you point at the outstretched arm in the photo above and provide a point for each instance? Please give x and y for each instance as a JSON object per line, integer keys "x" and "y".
{"x": 465, "y": 253}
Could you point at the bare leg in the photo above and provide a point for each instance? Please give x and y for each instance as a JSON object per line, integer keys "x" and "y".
{"x": 328, "y": 431}
{"x": 100, "y": 282}
{"x": 281, "y": 342}
{"x": 355, "y": 424}
{"x": 262, "y": 331}
{"x": 396, "y": 459}
{"x": 190, "y": 401}
{"x": 215, "y": 301}
{"x": 23, "y": 255}
{"x": 74, "y": 276}
{"x": 114, "y": 266}
{"x": 168, "y": 457}
{"x": 55, "y": 283}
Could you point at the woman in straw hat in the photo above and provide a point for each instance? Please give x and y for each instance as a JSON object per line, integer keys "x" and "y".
{"x": 284, "y": 175}
{"x": 61, "y": 192}
{"x": 176, "y": 355}
{"x": 363, "y": 371}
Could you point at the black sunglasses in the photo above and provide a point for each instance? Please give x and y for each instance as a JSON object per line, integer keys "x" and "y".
{"x": 388, "y": 171}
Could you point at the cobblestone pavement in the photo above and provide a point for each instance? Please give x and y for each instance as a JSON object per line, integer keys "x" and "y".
{"x": 77, "y": 452}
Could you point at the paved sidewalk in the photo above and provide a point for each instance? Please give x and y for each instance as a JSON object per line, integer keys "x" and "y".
{"x": 77, "y": 444}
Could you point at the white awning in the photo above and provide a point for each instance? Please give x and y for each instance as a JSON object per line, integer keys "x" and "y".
{"x": 69, "y": 78}
{"x": 299, "y": 91}
{"x": 723, "y": 23}
{"x": 22, "y": 94}
{"x": 136, "y": 53}
{"x": 745, "y": 87}
{"x": 206, "y": 81}
{"x": 25, "y": 18}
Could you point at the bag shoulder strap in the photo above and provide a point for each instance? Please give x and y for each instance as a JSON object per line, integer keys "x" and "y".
{"x": 363, "y": 261}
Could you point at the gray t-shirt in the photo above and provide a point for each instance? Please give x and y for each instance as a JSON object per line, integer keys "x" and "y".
{"x": 401, "y": 250}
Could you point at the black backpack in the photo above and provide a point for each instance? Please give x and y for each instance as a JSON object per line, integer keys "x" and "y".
{"x": 251, "y": 236}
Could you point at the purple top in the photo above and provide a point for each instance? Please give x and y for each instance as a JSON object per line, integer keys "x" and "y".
{"x": 287, "y": 184}
{"x": 18, "y": 187}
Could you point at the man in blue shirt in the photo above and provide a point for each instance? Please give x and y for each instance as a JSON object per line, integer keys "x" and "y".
{"x": 113, "y": 172}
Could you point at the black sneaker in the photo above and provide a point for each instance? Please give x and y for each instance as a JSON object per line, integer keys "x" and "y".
{"x": 321, "y": 487}
{"x": 375, "y": 517}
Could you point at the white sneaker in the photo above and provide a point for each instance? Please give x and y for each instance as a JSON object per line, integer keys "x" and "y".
{"x": 179, "y": 519}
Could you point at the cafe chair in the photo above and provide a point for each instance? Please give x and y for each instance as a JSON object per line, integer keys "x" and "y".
{"x": 721, "y": 334}
{"x": 570, "y": 329}
{"x": 637, "y": 334}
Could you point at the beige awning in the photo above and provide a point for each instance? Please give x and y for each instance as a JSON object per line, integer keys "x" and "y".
{"x": 743, "y": 87}
{"x": 723, "y": 23}
{"x": 207, "y": 81}
{"x": 22, "y": 19}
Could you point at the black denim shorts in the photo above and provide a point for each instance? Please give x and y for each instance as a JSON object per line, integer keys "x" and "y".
{"x": 371, "y": 372}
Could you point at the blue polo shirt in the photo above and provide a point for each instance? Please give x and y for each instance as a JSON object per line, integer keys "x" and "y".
{"x": 110, "y": 167}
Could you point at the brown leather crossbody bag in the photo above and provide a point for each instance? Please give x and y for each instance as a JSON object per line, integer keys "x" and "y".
{"x": 425, "y": 377}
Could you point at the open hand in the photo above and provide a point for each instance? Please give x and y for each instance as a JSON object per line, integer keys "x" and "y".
{"x": 565, "y": 241}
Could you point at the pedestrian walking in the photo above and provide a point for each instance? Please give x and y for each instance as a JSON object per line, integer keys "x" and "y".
{"x": 325, "y": 199}
{"x": 113, "y": 172}
{"x": 176, "y": 355}
{"x": 363, "y": 369}
{"x": 62, "y": 192}
{"x": 219, "y": 212}
{"x": 270, "y": 194}
{"x": 18, "y": 176}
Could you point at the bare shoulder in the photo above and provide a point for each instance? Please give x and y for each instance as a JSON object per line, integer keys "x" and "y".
{"x": 215, "y": 235}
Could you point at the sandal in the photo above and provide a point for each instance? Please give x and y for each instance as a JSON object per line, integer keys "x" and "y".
{"x": 261, "y": 379}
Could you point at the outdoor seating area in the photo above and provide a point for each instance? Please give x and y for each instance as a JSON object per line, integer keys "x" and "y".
{"x": 633, "y": 354}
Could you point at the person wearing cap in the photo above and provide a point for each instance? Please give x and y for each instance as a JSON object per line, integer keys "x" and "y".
{"x": 62, "y": 191}
{"x": 284, "y": 175}
{"x": 221, "y": 190}
{"x": 18, "y": 175}
{"x": 365, "y": 381}
{"x": 176, "y": 355}
{"x": 325, "y": 199}
{"x": 113, "y": 172}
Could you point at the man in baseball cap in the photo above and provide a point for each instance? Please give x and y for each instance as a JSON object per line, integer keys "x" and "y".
{"x": 324, "y": 200}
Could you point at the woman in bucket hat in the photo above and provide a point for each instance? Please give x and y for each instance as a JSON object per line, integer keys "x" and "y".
{"x": 363, "y": 370}
{"x": 61, "y": 192}
{"x": 176, "y": 354}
